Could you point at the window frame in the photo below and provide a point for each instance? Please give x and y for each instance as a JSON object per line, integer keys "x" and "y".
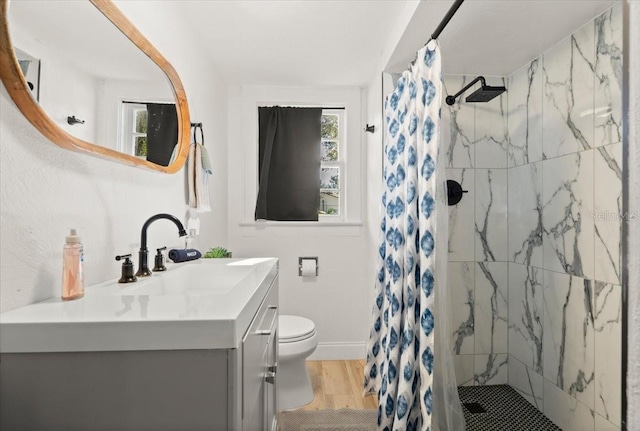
{"x": 340, "y": 163}
{"x": 128, "y": 134}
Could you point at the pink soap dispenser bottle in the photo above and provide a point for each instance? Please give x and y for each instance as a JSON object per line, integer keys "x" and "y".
{"x": 72, "y": 276}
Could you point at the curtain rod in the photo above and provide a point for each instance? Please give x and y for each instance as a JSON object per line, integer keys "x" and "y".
{"x": 452, "y": 11}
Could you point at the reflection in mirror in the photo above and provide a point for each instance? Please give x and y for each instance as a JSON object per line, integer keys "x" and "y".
{"x": 30, "y": 68}
{"x": 81, "y": 65}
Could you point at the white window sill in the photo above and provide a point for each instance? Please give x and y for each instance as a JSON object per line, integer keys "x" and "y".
{"x": 297, "y": 228}
{"x": 258, "y": 224}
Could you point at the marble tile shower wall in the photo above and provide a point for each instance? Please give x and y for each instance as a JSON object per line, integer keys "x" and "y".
{"x": 477, "y": 140}
{"x": 565, "y": 182}
{"x": 534, "y": 247}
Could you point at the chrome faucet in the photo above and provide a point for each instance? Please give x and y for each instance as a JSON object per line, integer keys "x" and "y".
{"x": 143, "y": 254}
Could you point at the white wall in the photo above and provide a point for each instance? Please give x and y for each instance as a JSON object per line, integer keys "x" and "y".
{"x": 44, "y": 189}
{"x": 65, "y": 89}
{"x": 633, "y": 380}
{"x": 337, "y": 299}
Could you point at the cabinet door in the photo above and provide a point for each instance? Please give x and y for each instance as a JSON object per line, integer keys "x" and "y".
{"x": 255, "y": 352}
{"x": 270, "y": 390}
{"x": 254, "y": 407}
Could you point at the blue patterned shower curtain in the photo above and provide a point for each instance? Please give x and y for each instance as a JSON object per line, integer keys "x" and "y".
{"x": 401, "y": 349}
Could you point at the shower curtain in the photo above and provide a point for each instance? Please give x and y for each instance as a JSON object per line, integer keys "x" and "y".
{"x": 409, "y": 362}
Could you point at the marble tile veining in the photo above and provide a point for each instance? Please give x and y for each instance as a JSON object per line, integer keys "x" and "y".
{"x": 491, "y": 307}
{"x": 608, "y": 215}
{"x": 608, "y": 344}
{"x": 569, "y": 94}
{"x": 565, "y": 411}
{"x": 525, "y": 114}
{"x": 569, "y": 335}
{"x": 491, "y": 130}
{"x": 491, "y": 215}
{"x": 459, "y": 131}
{"x": 525, "y": 227}
{"x": 526, "y": 382}
{"x": 601, "y": 424}
{"x": 608, "y": 77}
{"x": 491, "y": 369}
{"x": 461, "y": 280}
{"x": 564, "y": 228}
{"x": 526, "y": 302}
{"x": 567, "y": 195}
{"x": 461, "y": 218}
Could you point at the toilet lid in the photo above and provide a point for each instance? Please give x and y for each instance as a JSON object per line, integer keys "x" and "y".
{"x": 294, "y": 328}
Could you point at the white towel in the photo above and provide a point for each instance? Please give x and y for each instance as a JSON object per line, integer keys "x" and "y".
{"x": 198, "y": 180}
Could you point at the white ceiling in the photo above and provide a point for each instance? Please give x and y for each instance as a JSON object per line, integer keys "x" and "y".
{"x": 79, "y": 33}
{"x": 340, "y": 42}
{"x": 328, "y": 42}
{"x": 304, "y": 42}
{"x": 493, "y": 37}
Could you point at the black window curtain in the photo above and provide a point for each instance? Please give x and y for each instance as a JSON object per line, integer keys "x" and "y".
{"x": 289, "y": 164}
{"x": 162, "y": 132}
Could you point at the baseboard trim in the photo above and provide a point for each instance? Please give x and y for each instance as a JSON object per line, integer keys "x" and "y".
{"x": 339, "y": 351}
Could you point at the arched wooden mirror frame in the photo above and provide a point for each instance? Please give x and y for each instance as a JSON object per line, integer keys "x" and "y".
{"x": 16, "y": 85}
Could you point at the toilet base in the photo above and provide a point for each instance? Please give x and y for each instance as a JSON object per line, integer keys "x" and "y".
{"x": 294, "y": 385}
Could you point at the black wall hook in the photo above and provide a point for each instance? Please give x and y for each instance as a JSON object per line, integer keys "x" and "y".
{"x": 73, "y": 120}
{"x": 370, "y": 129}
{"x": 454, "y": 192}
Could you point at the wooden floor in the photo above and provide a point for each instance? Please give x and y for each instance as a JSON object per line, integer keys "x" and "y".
{"x": 338, "y": 385}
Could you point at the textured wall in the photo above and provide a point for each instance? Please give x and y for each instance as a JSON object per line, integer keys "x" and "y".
{"x": 44, "y": 189}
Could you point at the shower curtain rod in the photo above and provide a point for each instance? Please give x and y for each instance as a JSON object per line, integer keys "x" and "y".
{"x": 452, "y": 11}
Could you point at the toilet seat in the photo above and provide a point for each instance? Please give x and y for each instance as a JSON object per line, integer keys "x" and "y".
{"x": 292, "y": 329}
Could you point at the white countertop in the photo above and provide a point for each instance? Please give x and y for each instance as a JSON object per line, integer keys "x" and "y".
{"x": 203, "y": 304}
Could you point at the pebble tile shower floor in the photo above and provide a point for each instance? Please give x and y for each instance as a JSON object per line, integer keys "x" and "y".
{"x": 505, "y": 410}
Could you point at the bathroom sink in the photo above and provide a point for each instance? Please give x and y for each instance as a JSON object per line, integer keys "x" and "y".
{"x": 204, "y": 304}
{"x": 190, "y": 279}
{"x": 206, "y": 277}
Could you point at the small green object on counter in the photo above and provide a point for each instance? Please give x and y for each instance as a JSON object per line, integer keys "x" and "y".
{"x": 216, "y": 253}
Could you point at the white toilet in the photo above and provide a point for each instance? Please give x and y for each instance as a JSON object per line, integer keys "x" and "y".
{"x": 296, "y": 341}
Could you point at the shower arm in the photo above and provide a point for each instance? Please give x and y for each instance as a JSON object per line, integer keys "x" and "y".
{"x": 452, "y": 99}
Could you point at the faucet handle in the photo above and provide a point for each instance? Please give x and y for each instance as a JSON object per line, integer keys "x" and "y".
{"x": 159, "y": 261}
{"x": 127, "y": 269}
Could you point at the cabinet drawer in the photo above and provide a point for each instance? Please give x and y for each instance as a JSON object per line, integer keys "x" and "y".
{"x": 254, "y": 354}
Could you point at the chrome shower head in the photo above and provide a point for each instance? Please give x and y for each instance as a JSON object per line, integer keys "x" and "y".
{"x": 482, "y": 94}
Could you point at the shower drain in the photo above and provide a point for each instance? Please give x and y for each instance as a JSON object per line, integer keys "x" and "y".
{"x": 474, "y": 408}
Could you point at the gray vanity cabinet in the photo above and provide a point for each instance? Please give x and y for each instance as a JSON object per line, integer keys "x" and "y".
{"x": 168, "y": 390}
{"x": 259, "y": 367}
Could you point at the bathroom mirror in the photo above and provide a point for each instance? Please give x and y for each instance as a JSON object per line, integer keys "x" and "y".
{"x": 102, "y": 88}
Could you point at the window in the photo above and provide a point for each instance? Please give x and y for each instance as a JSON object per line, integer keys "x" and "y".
{"x": 300, "y": 163}
{"x": 149, "y": 130}
{"x": 134, "y": 131}
{"x": 331, "y": 163}
{"x": 245, "y": 182}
